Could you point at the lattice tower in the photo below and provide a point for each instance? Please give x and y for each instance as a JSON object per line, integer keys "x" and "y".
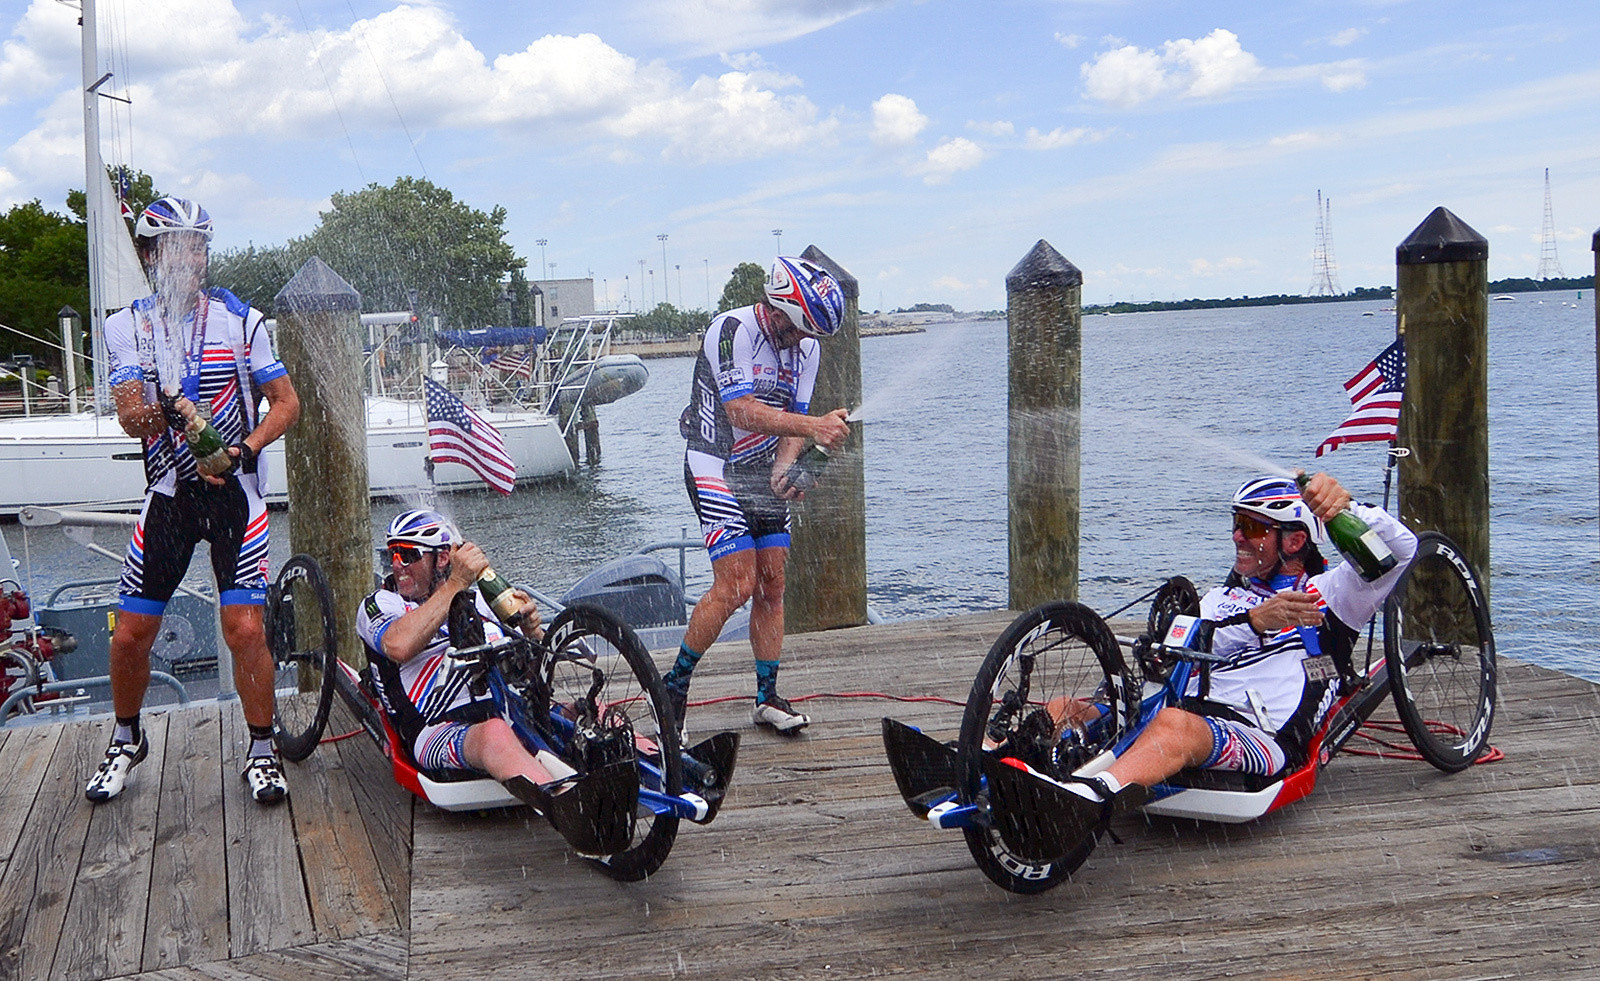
{"x": 1324, "y": 271}
{"x": 1549, "y": 265}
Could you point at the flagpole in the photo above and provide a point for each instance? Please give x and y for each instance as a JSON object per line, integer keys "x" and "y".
{"x": 430, "y": 494}
{"x": 1396, "y": 452}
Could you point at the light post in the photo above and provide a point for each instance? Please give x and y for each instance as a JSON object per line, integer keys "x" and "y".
{"x": 70, "y": 320}
{"x": 679, "y": 267}
{"x": 777, "y": 233}
{"x": 652, "y": 289}
{"x": 544, "y": 268}
{"x": 662, "y": 238}
{"x": 708, "y": 284}
{"x": 627, "y": 297}
{"x": 641, "y": 284}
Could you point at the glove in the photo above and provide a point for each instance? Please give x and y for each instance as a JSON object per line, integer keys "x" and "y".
{"x": 246, "y": 460}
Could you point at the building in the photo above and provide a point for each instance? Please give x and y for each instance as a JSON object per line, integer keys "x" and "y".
{"x": 558, "y": 299}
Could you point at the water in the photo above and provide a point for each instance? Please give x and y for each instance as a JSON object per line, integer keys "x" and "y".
{"x": 1178, "y": 408}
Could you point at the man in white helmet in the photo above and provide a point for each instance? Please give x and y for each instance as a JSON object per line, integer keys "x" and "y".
{"x": 746, "y": 423}
{"x": 182, "y": 352}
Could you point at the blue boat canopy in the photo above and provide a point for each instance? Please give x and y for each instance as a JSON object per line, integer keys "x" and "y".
{"x": 492, "y": 336}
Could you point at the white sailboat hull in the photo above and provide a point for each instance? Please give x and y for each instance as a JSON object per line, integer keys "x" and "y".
{"x": 85, "y": 461}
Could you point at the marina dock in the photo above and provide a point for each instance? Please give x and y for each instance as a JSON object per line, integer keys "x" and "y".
{"x": 814, "y": 869}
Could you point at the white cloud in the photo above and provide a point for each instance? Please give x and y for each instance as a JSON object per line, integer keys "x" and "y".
{"x": 1343, "y": 80}
{"x": 1069, "y": 40}
{"x": 1058, "y": 137}
{"x": 1205, "y": 267}
{"x": 1205, "y": 68}
{"x": 728, "y": 25}
{"x": 950, "y": 158}
{"x": 896, "y": 121}
{"x": 998, "y": 127}
{"x": 1347, "y": 37}
{"x": 953, "y": 284}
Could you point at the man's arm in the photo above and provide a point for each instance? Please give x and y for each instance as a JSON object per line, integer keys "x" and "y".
{"x": 138, "y": 418}
{"x": 283, "y": 411}
{"x": 748, "y": 412}
{"x": 410, "y": 635}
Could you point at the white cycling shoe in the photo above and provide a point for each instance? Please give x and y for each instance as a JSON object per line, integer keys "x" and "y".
{"x": 112, "y": 775}
{"x": 265, "y": 778}
{"x": 776, "y": 713}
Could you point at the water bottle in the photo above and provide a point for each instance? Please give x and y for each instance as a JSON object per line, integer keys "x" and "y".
{"x": 803, "y": 473}
{"x": 500, "y": 596}
{"x": 1357, "y": 542}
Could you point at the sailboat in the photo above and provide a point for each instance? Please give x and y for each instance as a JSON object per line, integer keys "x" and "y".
{"x": 82, "y": 459}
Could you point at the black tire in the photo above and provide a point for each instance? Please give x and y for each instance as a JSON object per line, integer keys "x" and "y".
{"x": 587, "y": 639}
{"x": 1058, "y": 650}
{"x": 1444, "y": 684}
{"x": 302, "y": 635}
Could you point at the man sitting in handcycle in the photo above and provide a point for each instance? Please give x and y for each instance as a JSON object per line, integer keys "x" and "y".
{"x": 1280, "y": 621}
{"x": 403, "y": 626}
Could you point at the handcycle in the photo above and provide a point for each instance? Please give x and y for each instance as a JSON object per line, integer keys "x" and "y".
{"x": 587, "y": 692}
{"x": 999, "y": 781}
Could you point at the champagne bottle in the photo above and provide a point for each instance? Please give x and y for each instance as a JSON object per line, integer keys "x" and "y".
{"x": 501, "y": 597}
{"x": 210, "y": 452}
{"x": 1357, "y": 542}
{"x": 803, "y": 473}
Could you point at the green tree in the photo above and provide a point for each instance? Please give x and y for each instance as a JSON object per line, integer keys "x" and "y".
{"x": 44, "y": 266}
{"x": 141, "y": 191}
{"x": 666, "y": 320}
{"x": 747, "y": 285}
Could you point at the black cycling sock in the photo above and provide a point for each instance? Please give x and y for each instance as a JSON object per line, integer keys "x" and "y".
{"x": 127, "y": 730}
{"x": 261, "y": 741}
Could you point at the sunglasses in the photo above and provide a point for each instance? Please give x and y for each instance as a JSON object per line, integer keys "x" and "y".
{"x": 1252, "y": 527}
{"x": 407, "y": 554}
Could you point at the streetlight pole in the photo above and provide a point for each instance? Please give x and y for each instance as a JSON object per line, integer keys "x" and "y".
{"x": 662, "y": 238}
{"x": 641, "y": 284}
{"x": 777, "y": 233}
{"x": 652, "y": 288}
{"x": 708, "y": 284}
{"x": 544, "y": 267}
{"x": 680, "y": 281}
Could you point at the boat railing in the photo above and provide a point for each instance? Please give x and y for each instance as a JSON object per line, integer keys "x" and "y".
{"x": 573, "y": 350}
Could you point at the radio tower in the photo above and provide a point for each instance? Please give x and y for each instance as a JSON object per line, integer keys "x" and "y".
{"x": 1549, "y": 265}
{"x": 1324, "y": 271}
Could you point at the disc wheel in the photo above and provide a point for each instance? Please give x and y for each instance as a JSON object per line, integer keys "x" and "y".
{"x": 1061, "y": 655}
{"x": 1440, "y": 655}
{"x": 594, "y": 651}
{"x": 302, "y": 635}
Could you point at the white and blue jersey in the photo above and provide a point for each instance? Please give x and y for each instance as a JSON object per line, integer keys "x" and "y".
{"x": 737, "y": 358}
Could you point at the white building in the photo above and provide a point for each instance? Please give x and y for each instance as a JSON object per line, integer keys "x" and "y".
{"x": 558, "y": 299}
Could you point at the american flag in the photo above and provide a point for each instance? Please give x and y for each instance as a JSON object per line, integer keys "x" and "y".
{"x": 456, "y": 434}
{"x": 515, "y": 365}
{"x": 124, "y": 192}
{"x": 1375, "y": 392}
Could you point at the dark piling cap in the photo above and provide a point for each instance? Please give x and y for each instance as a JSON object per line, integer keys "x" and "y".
{"x": 1442, "y": 237}
{"x": 1043, "y": 268}
{"x": 317, "y": 288}
{"x": 1595, "y": 245}
{"x": 847, "y": 282}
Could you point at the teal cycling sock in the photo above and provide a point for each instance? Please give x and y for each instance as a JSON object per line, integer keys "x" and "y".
{"x": 682, "y": 668}
{"x": 766, "y": 680}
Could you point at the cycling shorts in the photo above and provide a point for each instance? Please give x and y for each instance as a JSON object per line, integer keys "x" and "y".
{"x": 1242, "y": 748}
{"x": 735, "y": 504}
{"x": 232, "y": 517}
{"x": 442, "y": 746}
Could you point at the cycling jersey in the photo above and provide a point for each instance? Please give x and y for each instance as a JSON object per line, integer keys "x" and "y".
{"x": 227, "y": 356}
{"x": 1264, "y": 681}
{"x": 737, "y": 358}
{"x": 411, "y": 691}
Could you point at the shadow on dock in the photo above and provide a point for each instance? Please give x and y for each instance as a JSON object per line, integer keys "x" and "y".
{"x": 814, "y": 868}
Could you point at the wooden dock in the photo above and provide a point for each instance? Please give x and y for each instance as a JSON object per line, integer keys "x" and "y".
{"x": 814, "y": 869}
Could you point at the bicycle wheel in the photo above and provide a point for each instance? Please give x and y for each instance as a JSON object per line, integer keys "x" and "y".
{"x": 1060, "y": 655}
{"x": 599, "y": 656}
{"x": 303, "y": 638}
{"x": 1440, "y": 655}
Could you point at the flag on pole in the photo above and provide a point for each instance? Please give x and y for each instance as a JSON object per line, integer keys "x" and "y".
{"x": 514, "y": 365}
{"x": 1375, "y": 392}
{"x": 456, "y": 434}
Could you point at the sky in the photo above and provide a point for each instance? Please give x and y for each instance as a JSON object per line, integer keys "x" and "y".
{"x": 1167, "y": 149}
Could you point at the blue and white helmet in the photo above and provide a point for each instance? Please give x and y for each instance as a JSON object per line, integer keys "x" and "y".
{"x": 807, "y": 294}
{"x": 425, "y": 529}
{"x": 1277, "y": 499}
{"x": 172, "y": 215}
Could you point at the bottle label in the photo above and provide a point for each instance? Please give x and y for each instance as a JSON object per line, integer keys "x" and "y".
{"x": 1376, "y": 546}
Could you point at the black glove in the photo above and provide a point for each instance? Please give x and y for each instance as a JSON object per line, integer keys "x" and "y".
{"x": 169, "y": 409}
{"x": 246, "y": 460}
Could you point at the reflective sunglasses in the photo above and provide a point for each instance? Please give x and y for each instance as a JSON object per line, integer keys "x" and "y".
{"x": 407, "y": 554}
{"x": 1252, "y": 527}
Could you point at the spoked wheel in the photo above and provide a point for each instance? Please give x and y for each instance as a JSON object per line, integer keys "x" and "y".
{"x": 1440, "y": 652}
{"x": 1054, "y": 692}
{"x": 599, "y": 656}
{"x": 303, "y": 637}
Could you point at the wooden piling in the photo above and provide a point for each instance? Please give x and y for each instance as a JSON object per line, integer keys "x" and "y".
{"x": 1044, "y": 316}
{"x": 1442, "y": 277}
{"x": 827, "y": 574}
{"x": 330, "y": 512}
{"x": 1595, "y": 296}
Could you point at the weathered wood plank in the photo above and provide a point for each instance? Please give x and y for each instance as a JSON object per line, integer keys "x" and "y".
{"x": 378, "y": 956}
{"x": 384, "y": 807}
{"x": 102, "y": 934}
{"x": 267, "y": 904}
{"x": 188, "y": 918}
{"x": 25, "y": 761}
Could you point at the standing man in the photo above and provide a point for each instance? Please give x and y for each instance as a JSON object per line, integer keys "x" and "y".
{"x": 183, "y": 354}
{"x": 746, "y": 424}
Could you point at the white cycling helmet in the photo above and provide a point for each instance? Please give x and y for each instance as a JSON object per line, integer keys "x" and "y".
{"x": 172, "y": 215}
{"x": 425, "y": 529}
{"x": 807, "y": 294}
{"x": 1277, "y": 500}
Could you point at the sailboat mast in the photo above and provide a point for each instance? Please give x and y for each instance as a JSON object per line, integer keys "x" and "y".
{"x": 94, "y": 170}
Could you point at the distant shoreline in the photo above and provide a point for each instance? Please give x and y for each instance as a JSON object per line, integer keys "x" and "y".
{"x": 682, "y": 347}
